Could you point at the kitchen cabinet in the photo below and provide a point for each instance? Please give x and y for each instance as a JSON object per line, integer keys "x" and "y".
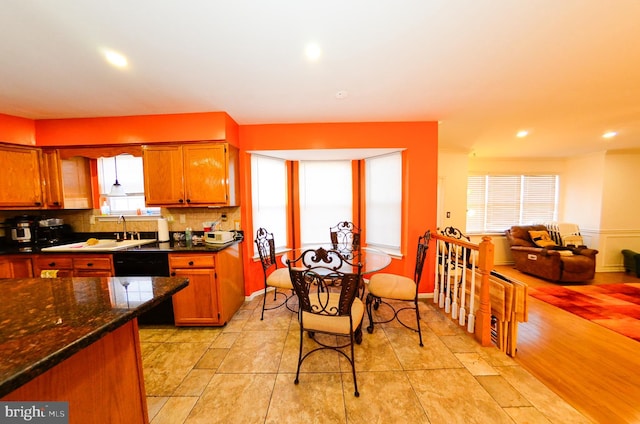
{"x": 197, "y": 174}
{"x": 92, "y": 265}
{"x": 63, "y": 263}
{"x": 16, "y": 266}
{"x": 216, "y": 287}
{"x": 21, "y": 178}
{"x": 79, "y": 265}
{"x": 66, "y": 182}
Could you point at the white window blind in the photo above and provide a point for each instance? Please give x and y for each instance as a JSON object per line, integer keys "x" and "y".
{"x": 496, "y": 202}
{"x": 325, "y": 198}
{"x": 383, "y": 176}
{"x": 269, "y": 196}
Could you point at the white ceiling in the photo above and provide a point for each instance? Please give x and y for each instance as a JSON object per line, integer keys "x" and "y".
{"x": 566, "y": 70}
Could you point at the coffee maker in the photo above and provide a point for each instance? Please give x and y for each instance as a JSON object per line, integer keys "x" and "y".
{"x": 21, "y": 230}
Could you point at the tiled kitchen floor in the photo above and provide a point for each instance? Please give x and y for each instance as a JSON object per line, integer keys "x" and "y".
{"x": 244, "y": 372}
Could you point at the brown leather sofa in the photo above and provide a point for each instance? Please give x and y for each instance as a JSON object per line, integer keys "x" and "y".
{"x": 554, "y": 263}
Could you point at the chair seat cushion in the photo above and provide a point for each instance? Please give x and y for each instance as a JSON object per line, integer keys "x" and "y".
{"x": 392, "y": 286}
{"x": 332, "y": 323}
{"x": 280, "y": 278}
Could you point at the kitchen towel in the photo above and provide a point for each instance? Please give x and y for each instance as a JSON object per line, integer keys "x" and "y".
{"x": 163, "y": 230}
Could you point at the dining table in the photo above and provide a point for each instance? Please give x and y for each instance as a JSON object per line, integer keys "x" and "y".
{"x": 372, "y": 259}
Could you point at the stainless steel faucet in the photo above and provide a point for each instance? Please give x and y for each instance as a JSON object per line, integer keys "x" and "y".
{"x": 124, "y": 226}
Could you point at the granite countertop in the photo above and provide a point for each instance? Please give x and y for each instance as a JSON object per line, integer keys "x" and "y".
{"x": 44, "y": 321}
{"x": 168, "y": 247}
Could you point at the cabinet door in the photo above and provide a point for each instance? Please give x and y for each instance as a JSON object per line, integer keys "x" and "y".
{"x": 197, "y": 304}
{"x": 16, "y": 267}
{"x": 206, "y": 174}
{"x": 52, "y": 179}
{"x": 163, "y": 183}
{"x": 21, "y": 178}
{"x": 62, "y": 263}
{"x": 76, "y": 183}
{"x": 92, "y": 266}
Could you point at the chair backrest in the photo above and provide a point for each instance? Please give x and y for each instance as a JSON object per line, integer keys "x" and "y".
{"x": 266, "y": 249}
{"x": 345, "y": 237}
{"x": 313, "y": 275}
{"x": 421, "y": 254}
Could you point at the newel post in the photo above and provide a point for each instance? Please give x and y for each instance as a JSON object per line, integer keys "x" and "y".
{"x": 483, "y": 316}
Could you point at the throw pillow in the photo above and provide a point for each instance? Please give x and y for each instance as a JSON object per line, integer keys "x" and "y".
{"x": 541, "y": 238}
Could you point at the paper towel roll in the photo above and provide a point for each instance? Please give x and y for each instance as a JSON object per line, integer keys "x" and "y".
{"x": 163, "y": 230}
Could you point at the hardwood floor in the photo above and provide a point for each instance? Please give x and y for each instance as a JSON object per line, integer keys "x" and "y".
{"x": 594, "y": 369}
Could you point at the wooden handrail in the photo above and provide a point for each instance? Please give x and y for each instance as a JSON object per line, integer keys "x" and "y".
{"x": 480, "y": 325}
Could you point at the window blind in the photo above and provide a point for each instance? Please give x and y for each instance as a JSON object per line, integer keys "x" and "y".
{"x": 269, "y": 196}
{"x": 496, "y": 202}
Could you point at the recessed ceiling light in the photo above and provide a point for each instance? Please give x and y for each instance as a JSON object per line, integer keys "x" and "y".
{"x": 115, "y": 58}
{"x": 313, "y": 51}
{"x": 609, "y": 134}
{"x": 522, "y": 133}
{"x": 342, "y": 94}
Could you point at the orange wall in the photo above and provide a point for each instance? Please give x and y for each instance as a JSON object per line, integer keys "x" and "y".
{"x": 420, "y": 139}
{"x": 17, "y": 130}
{"x": 136, "y": 129}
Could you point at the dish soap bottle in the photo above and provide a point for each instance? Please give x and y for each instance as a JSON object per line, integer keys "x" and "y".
{"x": 187, "y": 236}
{"x": 105, "y": 209}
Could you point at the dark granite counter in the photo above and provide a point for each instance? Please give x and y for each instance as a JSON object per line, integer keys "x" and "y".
{"x": 45, "y": 321}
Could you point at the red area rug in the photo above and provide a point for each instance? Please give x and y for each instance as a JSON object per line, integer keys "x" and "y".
{"x": 614, "y": 306}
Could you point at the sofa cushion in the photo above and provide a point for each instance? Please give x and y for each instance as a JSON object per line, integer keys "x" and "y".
{"x": 541, "y": 238}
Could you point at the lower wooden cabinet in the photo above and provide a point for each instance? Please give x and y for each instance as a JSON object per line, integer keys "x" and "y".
{"x": 16, "y": 266}
{"x": 79, "y": 265}
{"x": 216, "y": 287}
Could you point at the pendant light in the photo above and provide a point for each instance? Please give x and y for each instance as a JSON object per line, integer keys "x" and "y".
{"x": 116, "y": 188}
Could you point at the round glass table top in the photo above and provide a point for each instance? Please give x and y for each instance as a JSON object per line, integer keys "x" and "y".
{"x": 372, "y": 260}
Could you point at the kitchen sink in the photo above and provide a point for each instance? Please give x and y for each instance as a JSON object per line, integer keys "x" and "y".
{"x": 103, "y": 245}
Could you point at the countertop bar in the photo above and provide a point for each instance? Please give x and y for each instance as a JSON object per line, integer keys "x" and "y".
{"x": 45, "y": 321}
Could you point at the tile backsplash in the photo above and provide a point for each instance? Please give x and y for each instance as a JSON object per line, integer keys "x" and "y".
{"x": 88, "y": 221}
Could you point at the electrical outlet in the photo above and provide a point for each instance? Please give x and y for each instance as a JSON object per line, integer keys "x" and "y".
{"x": 92, "y": 220}
{"x": 223, "y": 218}
{"x": 183, "y": 219}
{"x": 169, "y": 218}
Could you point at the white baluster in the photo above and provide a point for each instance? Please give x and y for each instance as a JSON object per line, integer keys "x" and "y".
{"x": 436, "y": 287}
{"x": 447, "y": 299}
{"x": 454, "y": 305}
{"x": 472, "y": 318}
{"x": 463, "y": 288}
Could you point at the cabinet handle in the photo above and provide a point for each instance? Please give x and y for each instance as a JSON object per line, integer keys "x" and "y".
{"x": 38, "y": 204}
{"x": 188, "y": 200}
{"x": 89, "y": 264}
{"x": 56, "y": 203}
{"x": 52, "y": 264}
{"x": 180, "y": 201}
{"x": 173, "y": 274}
{"x": 190, "y": 263}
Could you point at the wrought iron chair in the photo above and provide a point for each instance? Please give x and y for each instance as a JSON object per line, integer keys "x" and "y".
{"x": 278, "y": 278}
{"x": 398, "y": 287}
{"x": 345, "y": 238}
{"x": 322, "y": 308}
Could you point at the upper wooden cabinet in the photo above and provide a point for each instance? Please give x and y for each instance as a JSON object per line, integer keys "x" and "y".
{"x": 21, "y": 178}
{"x": 199, "y": 174}
{"x": 66, "y": 183}
{"x": 39, "y": 179}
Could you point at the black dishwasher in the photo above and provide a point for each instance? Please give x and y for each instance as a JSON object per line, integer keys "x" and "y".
{"x": 146, "y": 264}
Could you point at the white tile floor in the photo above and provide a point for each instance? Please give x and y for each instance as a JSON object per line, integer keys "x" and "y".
{"x": 244, "y": 372}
